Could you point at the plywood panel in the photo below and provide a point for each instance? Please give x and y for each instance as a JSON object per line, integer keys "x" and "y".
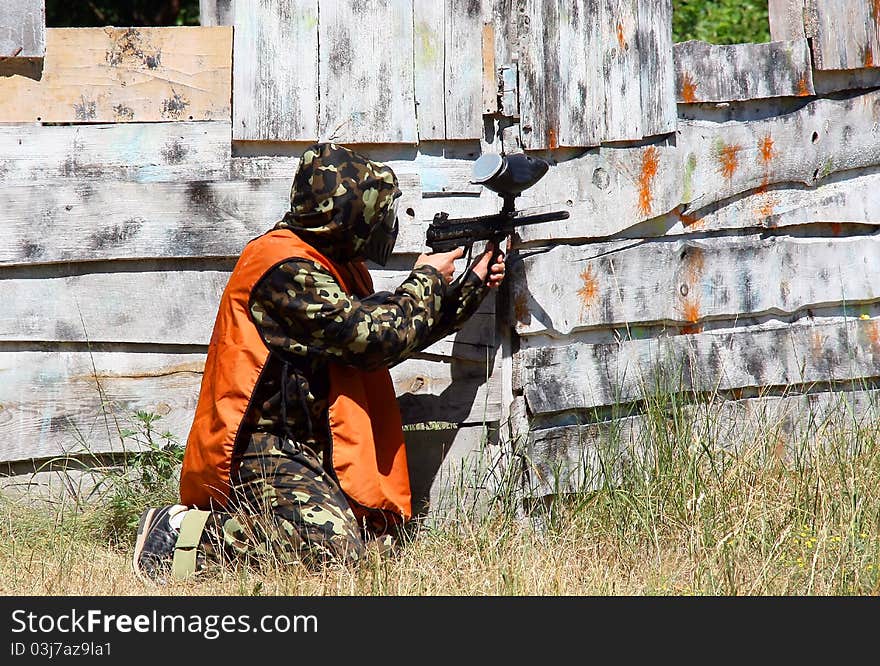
{"x": 581, "y": 375}
{"x": 95, "y": 75}
{"x": 22, "y": 28}
{"x": 275, "y": 71}
{"x": 76, "y": 403}
{"x": 721, "y": 73}
{"x": 687, "y": 282}
{"x": 366, "y": 71}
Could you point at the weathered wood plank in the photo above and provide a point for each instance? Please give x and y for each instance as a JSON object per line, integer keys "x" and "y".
{"x": 366, "y": 71}
{"x": 827, "y": 81}
{"x": 464, "y": 71}
{"x": 140, "y": 152}
{"x": 580, "y": 375}
{"x": 94, "y": 75}
{"x": 721, "y": 73}
{"x": 686, "y": 282}
{"x": 164, "y": 307}
{"x": 845, "y": 33}
{"x": 147, "y": 220}
{"x": 786, "y": 20}
{"x": 22, "y": 28}
{"x": 575, "y": 458}
{"x": 623, "y": 95}
{"x": 656, "y": 67}
{"x": 844, "y": 199}
{"x": 275, "y": 71}
{"x": 561, "y": 83}
{"x": 52, "y": 404}
{"x": 216, "y": 12}
{"x": 707, "y": 162}
{"x": 452, "y": 471}
{"x": 428, "y": 64}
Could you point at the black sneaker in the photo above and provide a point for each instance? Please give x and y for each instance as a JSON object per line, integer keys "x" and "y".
{"x": 154, "y": 547}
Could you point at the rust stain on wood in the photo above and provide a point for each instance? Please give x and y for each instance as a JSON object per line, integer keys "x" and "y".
{"x": 836, "y": 228}
{"x": 647, "y": 174}
{"x": 688, "y": 89}
{"x": 621, "y": 39}
{"x": 869, "y": 56}
{"x": 874, "y": 335}
{"x": 728, "y": 158}
{"x": 875, "y": 6}
{"x": 590, "y": 289}
{"x": 552, "y": 139}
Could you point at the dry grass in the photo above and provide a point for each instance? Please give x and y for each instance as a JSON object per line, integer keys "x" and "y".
{"x": 687, "y": 519}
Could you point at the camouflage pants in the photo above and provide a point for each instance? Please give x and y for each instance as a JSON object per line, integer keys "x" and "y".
{"x": 284, "y": 505}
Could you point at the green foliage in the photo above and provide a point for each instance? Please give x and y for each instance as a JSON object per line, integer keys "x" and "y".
{"x": 720, "y": 21}
{"x": 149, "y": 477}
{"x": 66, "y": 14}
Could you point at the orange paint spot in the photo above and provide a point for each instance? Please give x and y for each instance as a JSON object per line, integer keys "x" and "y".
{"x": 729, "y": 160}
{"x": 650, "y": 163}
{"x": 691, "y": 313}
{"x": 552, "y": 139}
{"x": 836, "y": 227}
{"x": 688, "y": 90}
{"x": 590, "y": 290}
{"x": 803, "y": 87}
{"x": 874, "y": 334}
{"x": 869, "y": 56}
{"x": 766, "y": 148}
{"x": 688, "y": 220}
{"x": 620, "y": 38}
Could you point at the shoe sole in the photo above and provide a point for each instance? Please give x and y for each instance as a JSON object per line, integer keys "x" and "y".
{"x": 145, "y": 520}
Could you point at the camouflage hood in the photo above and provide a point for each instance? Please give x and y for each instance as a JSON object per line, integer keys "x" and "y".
{"x": 337, "y": 198}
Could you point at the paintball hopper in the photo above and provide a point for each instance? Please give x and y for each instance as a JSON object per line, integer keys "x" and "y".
{"x": 508, "y": 175}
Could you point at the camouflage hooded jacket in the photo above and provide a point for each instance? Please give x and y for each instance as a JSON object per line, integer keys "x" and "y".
{"x": 306, "y": 319}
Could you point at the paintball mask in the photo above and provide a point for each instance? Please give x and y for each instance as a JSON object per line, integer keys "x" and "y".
{"x": 382, "y": 238}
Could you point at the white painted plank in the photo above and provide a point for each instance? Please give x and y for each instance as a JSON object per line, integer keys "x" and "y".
{"x": 463, "y": 70}
{"x": 708, "y": 162}
{"x": 657, "y": 69}
{"x": 786, "y": 19}
{"x": 686, "y": 282}
{"x": 623, "y": 96}
{"x": 275, "y": 71}
{"x": 140, "y": 152}
{"x": 216, "y": 12}
{"x": 366, "y": 71}
{"x": 100, "y": 75}
{"x": 429, "y": 51}
{"x": 575, "y": 458}
{"x": 581, "y": 376}
{"x": 164, "y": 307}
{"x": 721, "y": 73}
{"x": 22, "y": 28}
{"x": 52, "y": 403}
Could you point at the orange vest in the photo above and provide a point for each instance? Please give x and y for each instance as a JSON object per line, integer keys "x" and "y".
{"x": 368, "y": 452}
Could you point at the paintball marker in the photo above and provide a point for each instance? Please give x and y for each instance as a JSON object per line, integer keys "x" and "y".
{"x": 507, "y": 176}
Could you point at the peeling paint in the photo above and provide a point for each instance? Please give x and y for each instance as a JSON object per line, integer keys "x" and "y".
{"x": 647, "y": 174}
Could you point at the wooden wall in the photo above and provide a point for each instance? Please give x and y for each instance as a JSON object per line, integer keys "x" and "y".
{"x": 722, "y": 218}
